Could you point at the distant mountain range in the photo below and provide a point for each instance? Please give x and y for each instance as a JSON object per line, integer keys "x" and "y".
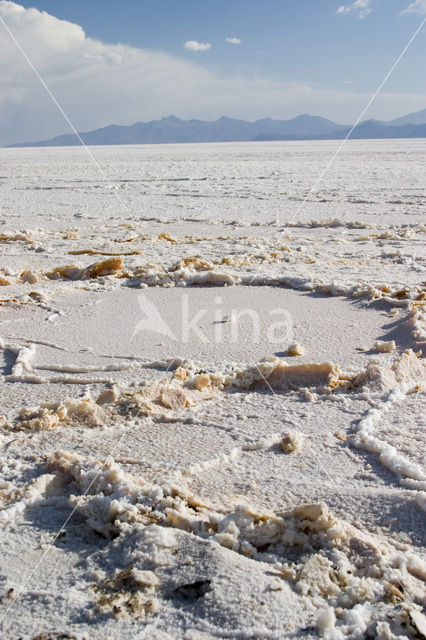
{"x": 175, "y": 130}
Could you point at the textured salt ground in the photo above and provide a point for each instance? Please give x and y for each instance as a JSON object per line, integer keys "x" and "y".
{"x": 267, "y": 320}
{"x": 231, "y": 181}
{"x": 259, "y": 184}
{"x": 101, "y": 328}
{"x": 363, "y": 247}
{"x": 226, "y": 442}
{"x": 238, "y": 586}
{"x": 405, "y": 429}
{"x": 327, "y": 468}
{"x": 222, "y": 441}
{"x": 386, "y": 253}
{"x": 243, "y": 599}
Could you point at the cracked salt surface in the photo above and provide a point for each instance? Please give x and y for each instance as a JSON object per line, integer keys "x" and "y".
{"x": 224, "y": 484}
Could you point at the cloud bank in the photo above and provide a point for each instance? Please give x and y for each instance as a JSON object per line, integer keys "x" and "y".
{"x": 98, "y": 84}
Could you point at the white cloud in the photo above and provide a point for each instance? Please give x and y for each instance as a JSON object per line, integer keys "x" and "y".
{"x": 419, "y": 6}
{"x": 360, "y": 7}
{"x": 98, "y": 84}
{"x": 194, "y": 45}
{"x": 233, "y": 40}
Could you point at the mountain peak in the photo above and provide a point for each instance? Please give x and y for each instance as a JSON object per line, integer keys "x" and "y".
{"x": 171, "y": 118}
{"x": 412, "y": 118}
{"x": 172, "y": 130}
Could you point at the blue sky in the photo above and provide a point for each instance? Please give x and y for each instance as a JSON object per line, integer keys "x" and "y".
{"x": 290, "y": 39}
{"x": 316, "y": 56}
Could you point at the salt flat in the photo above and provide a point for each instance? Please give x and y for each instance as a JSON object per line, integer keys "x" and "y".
{"x": 220, "y": 374}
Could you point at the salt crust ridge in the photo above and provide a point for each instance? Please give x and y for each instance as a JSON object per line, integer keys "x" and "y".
{"x": 328, "y": 561}
{"x": 380, "y": 388}
{"x": 193, "y": 271}
{"x": 407, "y": 375}
{"x": 161, "y": 399}
{"x": 321, "y": 547}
